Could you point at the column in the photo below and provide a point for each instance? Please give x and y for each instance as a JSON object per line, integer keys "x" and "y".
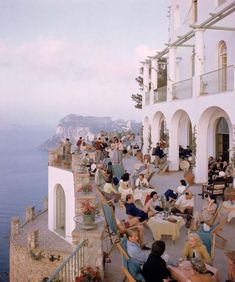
{"x": 145, "y": 81}
{"x": 154, "y": 78}
{"x": 171, "y": 71}
{"x": 199, "y": 51}
{"x": 173, "y": 153}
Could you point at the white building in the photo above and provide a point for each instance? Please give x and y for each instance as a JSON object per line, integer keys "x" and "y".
{"x": 199, "y": 98}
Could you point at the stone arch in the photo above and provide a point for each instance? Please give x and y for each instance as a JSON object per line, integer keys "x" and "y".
{"x": 180, "y": 134}
{"x": 206, "y": 139}
{"x": 146, "y": 134}
{"x": 60, "y": 210}
{"x": 158, "y": 126}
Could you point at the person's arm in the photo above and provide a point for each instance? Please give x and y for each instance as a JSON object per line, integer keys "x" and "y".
{"x": 185, "y": 252}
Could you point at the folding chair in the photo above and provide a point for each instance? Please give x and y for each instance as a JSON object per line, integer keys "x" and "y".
{"x": 216, "y": 188}
{"x": 130, "y": 268}
{"x": 118, "y": 171}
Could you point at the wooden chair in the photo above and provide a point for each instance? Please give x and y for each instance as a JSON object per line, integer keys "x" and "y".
{"x": 216, "y": 188}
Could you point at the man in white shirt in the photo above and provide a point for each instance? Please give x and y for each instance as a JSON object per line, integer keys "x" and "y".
{"x": 141, "y": 182}
{"x": 185, "y": 204}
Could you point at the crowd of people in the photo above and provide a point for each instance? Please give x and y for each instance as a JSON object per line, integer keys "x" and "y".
{"x": 179, "y": 201}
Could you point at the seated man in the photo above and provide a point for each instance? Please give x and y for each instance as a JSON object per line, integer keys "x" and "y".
{"x": 133, "y": 211}
{"x": 155, "y": 268}
{"x": 184, "y": 204}
{"x": 141, "y": 182}
{"x": 133, "y": 248}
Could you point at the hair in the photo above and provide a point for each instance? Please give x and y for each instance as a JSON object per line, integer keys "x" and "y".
{"x": 141, "y": 174}
{"x": 158, "y": 248}
{"x": 128, "y": 196}
{"x": 183, "y": 182}
{"x": 152, "y": 194}
{"x": 125, "y": 177}
{"x": 130, "y": 232}
{"x": 196, "y": 237}
{"x": 213, "y": 197}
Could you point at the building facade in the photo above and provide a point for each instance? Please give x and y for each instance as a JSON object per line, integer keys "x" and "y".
{"x": 196, "y": 105}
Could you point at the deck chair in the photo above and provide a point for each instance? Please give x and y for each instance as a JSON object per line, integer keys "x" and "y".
{"x": 103, "y": 199}
{"x": 130, "y": 268}
{"x": 118, "y": 171}
{"x": 111, "y": 228}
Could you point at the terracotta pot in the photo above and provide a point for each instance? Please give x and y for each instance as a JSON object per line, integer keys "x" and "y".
{"x": 189, "y": 177}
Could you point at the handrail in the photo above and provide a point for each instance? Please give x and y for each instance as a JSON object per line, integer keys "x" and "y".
{"x": 75, "y": 264}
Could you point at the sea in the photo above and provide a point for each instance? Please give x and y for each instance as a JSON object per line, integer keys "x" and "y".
{"x": 23, "y": 180}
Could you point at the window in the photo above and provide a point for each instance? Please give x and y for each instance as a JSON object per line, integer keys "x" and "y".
{"x": 222, "y": 66}
{"x": 60, "y": 210}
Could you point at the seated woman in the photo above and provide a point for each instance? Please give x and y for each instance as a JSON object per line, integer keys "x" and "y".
{"x": 153, "y": 204}
{"x": 141, "y": 182}
{"x": 182, "y": 187}
{"x": 195, "y": 248}
{"x": 206, "y": 214}
{"x": 200, "y": 274}
{"x": 110, "y": 192}
{"x": 124, "y": 189}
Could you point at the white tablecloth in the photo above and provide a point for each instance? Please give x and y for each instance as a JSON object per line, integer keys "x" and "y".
{"x": 160, "y": 226}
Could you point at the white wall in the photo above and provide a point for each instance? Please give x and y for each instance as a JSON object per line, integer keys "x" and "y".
{"x": 65, "y": 179}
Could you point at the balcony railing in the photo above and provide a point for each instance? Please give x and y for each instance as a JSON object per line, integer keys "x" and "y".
{"x": 182, "y": 89}
{"x": 221, "y": 80}
{"x": 160, "y": 94}
{"x": 147, "y": 98}
{"x": 71, "y": 267}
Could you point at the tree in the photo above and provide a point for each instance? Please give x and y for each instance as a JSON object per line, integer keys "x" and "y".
{"x": 137, "y": 98}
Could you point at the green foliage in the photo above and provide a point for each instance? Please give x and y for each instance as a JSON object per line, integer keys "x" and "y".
{"x": 137, "y": 98}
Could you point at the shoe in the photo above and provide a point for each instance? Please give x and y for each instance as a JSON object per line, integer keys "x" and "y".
{"x": 145, "y": 248}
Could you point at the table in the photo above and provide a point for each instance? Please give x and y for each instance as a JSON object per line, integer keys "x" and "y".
{"x": 160, "y": 226}
{"x": 227, "y": 205}
{"x": 182, "y": 273}
{"x": 140, "y": 194}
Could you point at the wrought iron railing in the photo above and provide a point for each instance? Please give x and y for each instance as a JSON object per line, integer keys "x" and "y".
{"x": 160, "y": 95}
{"x": 182, "y": 89}
{"x": 221, "y": 80}
{"x": 147, "y": 98}
{"x": 70, "y": 267}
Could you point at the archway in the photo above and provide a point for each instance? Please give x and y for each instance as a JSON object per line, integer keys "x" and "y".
{"x": 213, "y": 138}
{"x": 60, "y": 209}
{"x": 159, "y": 128}
{"x": 222, "y": 139}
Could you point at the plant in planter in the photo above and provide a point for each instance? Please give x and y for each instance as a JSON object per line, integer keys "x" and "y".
{"x": 88, "y": 211}
{"x": 85, "y": 188}
{"x": 89, "y": 274}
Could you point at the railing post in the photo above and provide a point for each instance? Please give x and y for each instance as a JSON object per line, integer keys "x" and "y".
{"x": 171, "y": 71}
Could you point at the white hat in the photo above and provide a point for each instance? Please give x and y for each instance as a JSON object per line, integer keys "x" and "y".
{"x": 93, "y": 167}
{"x": 221, "y": 173}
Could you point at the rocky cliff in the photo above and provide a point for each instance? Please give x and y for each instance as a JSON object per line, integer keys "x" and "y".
{"x": 73, "y": 126}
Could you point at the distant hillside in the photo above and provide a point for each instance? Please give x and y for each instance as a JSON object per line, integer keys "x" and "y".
{"x": 73, "y": 126}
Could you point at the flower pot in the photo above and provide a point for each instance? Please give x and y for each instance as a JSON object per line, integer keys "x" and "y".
{"x": 88, "y": 219}
{"x": 189, "y": 177}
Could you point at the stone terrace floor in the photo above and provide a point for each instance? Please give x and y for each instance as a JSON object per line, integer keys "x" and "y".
{"x": 161, "y": 183}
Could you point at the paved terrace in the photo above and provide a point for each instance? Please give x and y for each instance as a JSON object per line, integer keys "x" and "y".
{"x": 161, "y": 183}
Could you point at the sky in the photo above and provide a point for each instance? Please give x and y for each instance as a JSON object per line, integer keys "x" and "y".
{"x": 59, "y": 57}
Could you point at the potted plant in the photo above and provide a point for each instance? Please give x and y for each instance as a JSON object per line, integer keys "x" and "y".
{"x": 85, "y": 188}
{"x": 89, "y": 274}
{"x": 88, "y": 211}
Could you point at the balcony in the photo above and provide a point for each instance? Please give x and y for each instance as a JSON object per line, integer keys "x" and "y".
{"x": 160, "y": 95}
{"x": 221, "y": 80}
{"x": 182, "y": 89}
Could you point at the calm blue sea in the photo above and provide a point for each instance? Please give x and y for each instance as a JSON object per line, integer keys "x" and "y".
{"x": 23, "y": 180}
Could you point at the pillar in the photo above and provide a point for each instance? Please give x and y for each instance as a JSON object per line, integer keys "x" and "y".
{"x": 32, "y": 239}
{"x": 171, "y": 71}
{"x": 15, "y": 225}
{"x": 29, "y": 213}
{"x": 199, "y": 52}
{"x": 154, "y": 78}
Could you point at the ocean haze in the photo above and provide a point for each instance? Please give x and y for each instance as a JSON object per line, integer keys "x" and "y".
{"x": 23, "y": 175}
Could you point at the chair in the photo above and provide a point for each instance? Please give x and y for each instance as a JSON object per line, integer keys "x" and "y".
{"x": 130, "y": 268}
{"x": 102, "y": 196}
{"x": 216, "y": 188}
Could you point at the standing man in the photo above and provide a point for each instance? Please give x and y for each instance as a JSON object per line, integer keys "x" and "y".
{"x": 98, "y": 147}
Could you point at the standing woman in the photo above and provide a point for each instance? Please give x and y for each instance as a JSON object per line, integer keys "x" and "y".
{"x": 115, "y": 159}
{"x": 120, "y": 151}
